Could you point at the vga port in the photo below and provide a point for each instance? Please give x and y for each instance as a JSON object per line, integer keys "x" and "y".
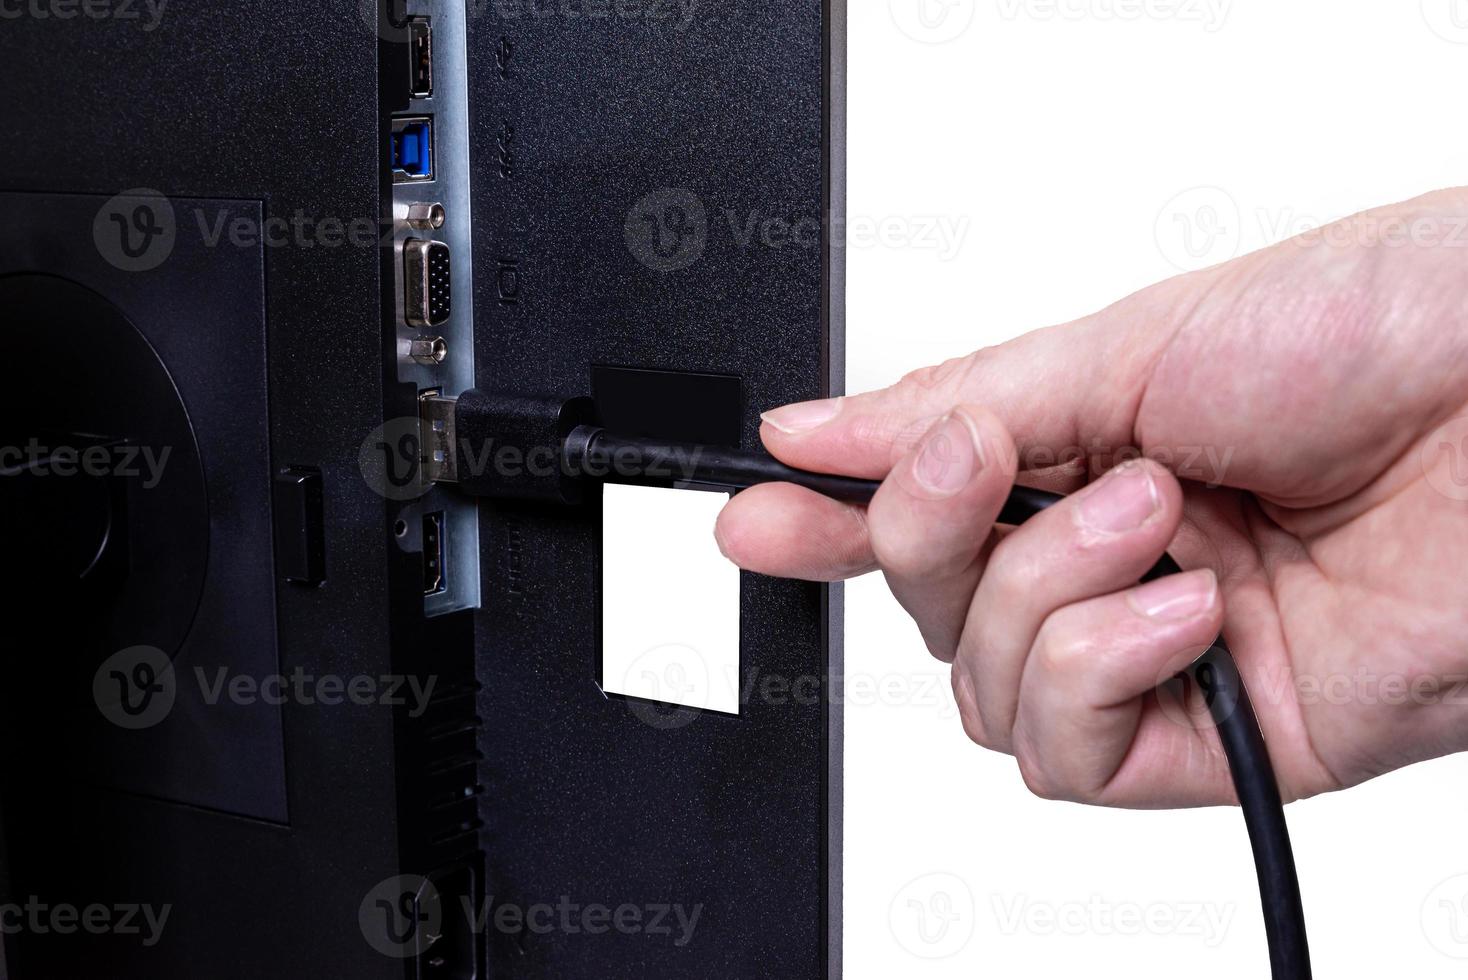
{"x": 428, "y": 283}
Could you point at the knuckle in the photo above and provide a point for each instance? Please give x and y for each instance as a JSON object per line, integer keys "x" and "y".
{"x": 1048, "y": 778}
{"x": 940, "y": 644}
{"x": 973, "y": 727}
{"x": 902, "y": 555}
{"x": 915, "y": 553}
{"x": 948, "y": 374}
{"x": 1060, "y": 652}
{"x": 1038, "y": 779}
{"x": 1010, "y": 578}
{"x": 970, "y": 717}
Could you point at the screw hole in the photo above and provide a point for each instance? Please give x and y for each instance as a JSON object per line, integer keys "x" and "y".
{"x": 400, "y": 528}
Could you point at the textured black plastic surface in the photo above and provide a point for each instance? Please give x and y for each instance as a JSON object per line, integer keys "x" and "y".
{"x": 198, "y": 584}
{"x": 627, "y": 171}
{"x": 277, "y": 103}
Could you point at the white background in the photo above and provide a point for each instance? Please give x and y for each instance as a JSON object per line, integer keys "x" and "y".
{"x": 1068, "y": 142}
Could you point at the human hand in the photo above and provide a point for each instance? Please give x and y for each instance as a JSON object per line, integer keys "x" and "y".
{"x": 1302, "y": 414}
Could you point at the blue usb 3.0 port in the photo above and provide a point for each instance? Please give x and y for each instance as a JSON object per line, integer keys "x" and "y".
{"x": 412, "y": 149}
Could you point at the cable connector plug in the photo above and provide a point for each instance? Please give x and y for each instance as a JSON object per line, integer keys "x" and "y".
{"x": 503, "y": 446}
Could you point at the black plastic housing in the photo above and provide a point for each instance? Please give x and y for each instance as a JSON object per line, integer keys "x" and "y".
{"x": 267, "y": 829}
{"x": 509, "y": 446}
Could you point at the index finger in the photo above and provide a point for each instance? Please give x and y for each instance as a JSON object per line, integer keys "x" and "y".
{"x": 1054, "y": 388}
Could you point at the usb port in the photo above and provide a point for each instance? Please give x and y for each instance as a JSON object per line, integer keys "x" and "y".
{"x": 428, "y": 285}
{"x": 433, "y": 573}
{"x": 420, "y": 54}
{"x": 412, "y": 148}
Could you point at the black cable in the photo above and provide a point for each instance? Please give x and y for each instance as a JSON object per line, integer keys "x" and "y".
{"x": 592, "y": 452}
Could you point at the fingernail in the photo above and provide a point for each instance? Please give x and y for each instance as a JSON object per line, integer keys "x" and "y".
{"x": 1176, "y": 597}
{"x": 1122, "y": 500}
{"x": 802, "y": 416}
{"x": 950, "y": 456}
